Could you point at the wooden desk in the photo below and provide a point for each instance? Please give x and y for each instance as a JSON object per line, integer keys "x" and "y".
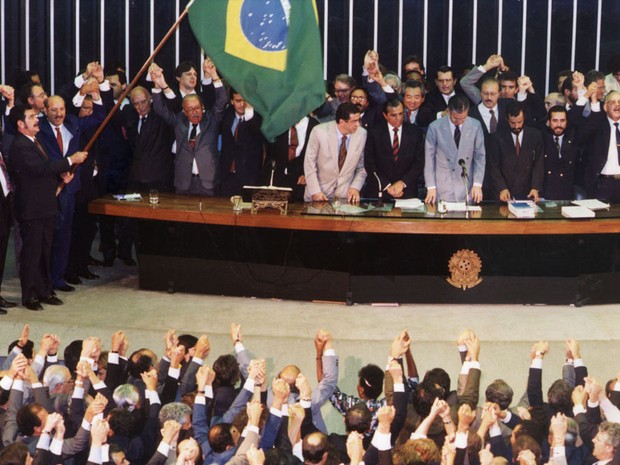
{"x": 199, "y": 245}
{"x": 218, "y": 211}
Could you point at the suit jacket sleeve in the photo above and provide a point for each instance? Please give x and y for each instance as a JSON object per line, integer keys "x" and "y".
{"x": 360, "y": 173}
{"x": 311, "y": 163}
{"x": 162, "y": 109}
{"x": 76, "y": 444}
{"x": 479, "y": 155}
{"x": 410, "y": 178}
{"x": 430, "y": 151}
{"x": 472, "y": 389}
{"x": 326, "y": 387}
{"x": 468, "y": 84}
{"x": 9, "y": 430}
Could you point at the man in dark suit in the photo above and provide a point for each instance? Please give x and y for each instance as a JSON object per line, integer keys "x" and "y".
{"x": 196, "y": 166}
{"x": 563, "y": 145}
{"x": 150, "y": 138}
{"x": 413, "y": 99}
{"x": 241, "y": 157}
{"x": 603, "y": 168}
{"x": 60, "y": 135}
{"x": 436, "y": 101}
{"x": 288, "y": 151}
{"x": 516, "y": 158}
{"x": 394, "y": 155}
{"x": 35, "y": 178}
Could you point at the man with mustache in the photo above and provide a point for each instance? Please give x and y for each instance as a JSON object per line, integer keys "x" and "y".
{"x": 35, "y": 176}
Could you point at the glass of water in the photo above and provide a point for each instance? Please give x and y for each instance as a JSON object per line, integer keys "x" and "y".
{"x": 154, "y": 197}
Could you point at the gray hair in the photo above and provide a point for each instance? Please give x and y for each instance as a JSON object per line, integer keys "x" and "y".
{"x": 126, "y": 396}
{"x": 55, "y": 375}
{"x": 177, "y": 411}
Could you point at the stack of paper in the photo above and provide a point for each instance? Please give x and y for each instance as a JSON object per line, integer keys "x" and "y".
{"x": 577, "y": 212}
{"x": 522, "y": 208}
{"x": 592, "y": 204}
{"x": 409, "y": 204}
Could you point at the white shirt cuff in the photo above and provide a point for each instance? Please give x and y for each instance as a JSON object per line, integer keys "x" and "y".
{"x": 78, "y": 392}
{"x": 578, "y": 362}
{"x": 305, "y": 403}
{"x": 329, "y": 353}
{"x": 577, "y": 409}
{"x": 239, "y": 347}
{"x": 85, "y": 424}
{"x": 252, "y": 428}
{"x": 95, "y": 454}
{"x": 52, "y": 358}
{"x": 174, "y": 372}
{"x": 399, "y": 387}
{"x": 275, "y": 412}
{"x": 460, "y": 441}
{"x": 209, "y": 391}
{"x": 56, "y": 446}
{"x": 104, "y": 86}
{"x": 495, "y": 431}
{"x": 44, "y": 442}
{"x": 198, "y": 360}
{"x": 99, "y": 385}
{"x": 113, "y": 358}
{"x": 382, "y": 440}
{"x": 18, "y": 385}
{"x": 249, "y": 385}
{"x": 297, "y": 451}
{"x": 163, "y": 448}
{"x": 537, "y": 363}
{"x": 6, "y": 383}
{"x": 39, "y": 360}
{"x": 508, "y": 416}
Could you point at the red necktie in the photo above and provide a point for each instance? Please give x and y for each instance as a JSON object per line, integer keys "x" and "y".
{"x": 293, "y": 143}
{"x": 59, "y": 140}
{"x": 342, "y": 153}
{"x": 395, "y": 145}
{"x": 518, "y": 146}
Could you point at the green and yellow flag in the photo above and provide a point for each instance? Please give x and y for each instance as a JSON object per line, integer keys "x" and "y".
{"x": 269, "y": 51}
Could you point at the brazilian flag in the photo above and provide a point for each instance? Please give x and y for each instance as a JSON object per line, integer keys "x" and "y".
{"x": 269, "y": 51}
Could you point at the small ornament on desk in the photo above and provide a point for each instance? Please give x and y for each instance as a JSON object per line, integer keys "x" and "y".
{"x": 270, "y": 196}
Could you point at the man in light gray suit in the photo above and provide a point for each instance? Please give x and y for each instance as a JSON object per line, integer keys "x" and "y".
{"x": 454, "y": 146}
{"x": 334, "y": 163}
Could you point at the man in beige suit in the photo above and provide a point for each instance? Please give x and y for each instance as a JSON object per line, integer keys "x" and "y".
{"x": 334, "y": 163}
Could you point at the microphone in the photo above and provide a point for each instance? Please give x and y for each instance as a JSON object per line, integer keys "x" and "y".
{"x": 380, "y": 195}
{"x": 462, "y": 165}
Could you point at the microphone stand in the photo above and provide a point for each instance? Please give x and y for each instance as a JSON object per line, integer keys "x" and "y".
{"x": 466, "y": 185}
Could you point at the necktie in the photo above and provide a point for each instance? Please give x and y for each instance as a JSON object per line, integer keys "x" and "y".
{"x": 59, "y": 140}
{"x": 5, "y": 173}
{"x": 40, "y": 147}
{"x": 293, "y": 143}
{"x": 141, "y": 123}
{"x": 557, "y": 146}
{"x": 235, "y": 128}
{"x": 618, "y": 140}
{"x": 192, "y": 137}
{"x": 407, "y": 116}
{"x": 342, "y": 153}
{"x": 518, "y": 146}
{"x": 395, "y": 144}
{"x": 493, "y": 123}
{"x": 457, "y": 136}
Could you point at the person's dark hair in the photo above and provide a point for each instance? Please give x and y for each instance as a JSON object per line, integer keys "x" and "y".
{"x": 276, "y": 456}
{"x": 567, "y": 73}
{"x": 425, "y": 394}
{"x": 371, "y": 380}
{"x": 314, "y": 446}
{"x": 412, "y": 59}
{"x": 391, "y": 103}
{"x": 458, "y": 103}
{"x": 508, "y": 76}
{"x": 27, "y": 350}
{"x": 490, "y": 79}
{"x": 349, "y": 80}
{"x": 220, "y": 437}
{"x": 18, "y": 113}
{"x": 556, "y": 109}
{"x": 529, "y": 428}
{"x": 25, "y": 91}
{"x": 187, "y": 340}
{"x": 474, "y": 444}
{"x": 358, "y": 418}
{"x": 592, "y": 76}
{"x": 183, "y": 67}
{"x": 231, "y": 94}
{"x": 27, "y": 419}
{"x": 113, "y": 66}
{"x": 138, "y": 363}
{"x": 226, "y": 370}
{"x": 525, "y": 442}
{"x": 72, "y": 355}
{"x": 125, "y": 423}
{"x": 500, "y": 393}
{"x": 23, "y": 77}
{"x": 440, "y": 377}
{"x": 515, "y": 108}
{"x": 345, "y": 110}
{"x": 14, "y": 454}
{"x": 122, "y": 78}
{"x": 567, "y": 85}
{"x": 415, "y": 84}
{"x": 363, "y": 89}
{"x": 559, "y": 396}
{"x": 445, "y": 69}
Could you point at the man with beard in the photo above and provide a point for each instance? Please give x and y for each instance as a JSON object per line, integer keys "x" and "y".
{"x": 516, "y": 158}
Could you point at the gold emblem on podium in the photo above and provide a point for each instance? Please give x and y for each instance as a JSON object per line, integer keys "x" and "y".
{"x": 464, "y": 266}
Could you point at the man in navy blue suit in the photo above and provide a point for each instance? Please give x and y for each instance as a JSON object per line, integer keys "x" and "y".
{"x": 60, "y": 136}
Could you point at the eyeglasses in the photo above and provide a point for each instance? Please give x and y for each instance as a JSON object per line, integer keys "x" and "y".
{"x": 342, "y": 91}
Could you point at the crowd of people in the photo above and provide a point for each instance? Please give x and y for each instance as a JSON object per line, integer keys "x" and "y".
{"x": 119, "y": 408}
{"x": 484, "y": 133}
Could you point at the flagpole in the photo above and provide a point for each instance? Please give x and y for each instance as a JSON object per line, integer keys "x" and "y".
{"x": 135, "y": 80}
